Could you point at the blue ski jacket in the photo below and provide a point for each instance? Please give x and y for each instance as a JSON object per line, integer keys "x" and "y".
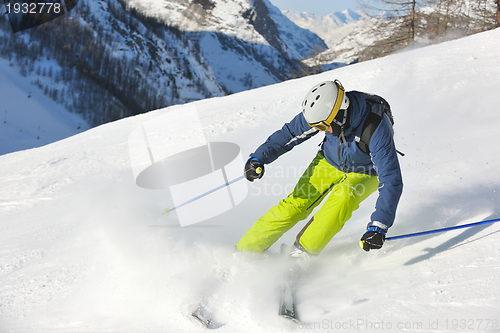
{"x": 382, "y": 161}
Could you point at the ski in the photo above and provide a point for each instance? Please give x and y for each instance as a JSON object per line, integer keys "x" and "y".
{"x": 287, "y": 304}
{"x": 294, "y": 271}
{"x": 202, "y": 316}
{"x": 203, "y": 313}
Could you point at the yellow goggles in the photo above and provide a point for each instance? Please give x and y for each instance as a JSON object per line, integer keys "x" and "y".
{"x": 322, "y": 126}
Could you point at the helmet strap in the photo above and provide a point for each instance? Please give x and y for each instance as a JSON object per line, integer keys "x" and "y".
{"x": 336, "y": 129}
{"x": 341, "y": 118}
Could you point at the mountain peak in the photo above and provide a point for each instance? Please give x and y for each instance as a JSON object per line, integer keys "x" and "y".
{"x": 351, "y": 15}
{"x": 332, "y": 28}
{"x": 344, "y": 17}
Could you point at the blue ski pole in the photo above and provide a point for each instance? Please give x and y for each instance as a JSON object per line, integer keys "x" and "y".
{"x": 443, "y": 229}
{"x": 167, "y": 211}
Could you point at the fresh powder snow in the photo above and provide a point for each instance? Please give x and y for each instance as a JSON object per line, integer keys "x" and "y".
{"x": 84, "y": 249}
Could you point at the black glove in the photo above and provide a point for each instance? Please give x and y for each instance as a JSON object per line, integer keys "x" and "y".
{"x": 254, "y": 169}
{"x": 373, "y": 239}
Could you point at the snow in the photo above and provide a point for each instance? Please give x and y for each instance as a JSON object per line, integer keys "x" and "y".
{"x": 83, "y": 249}
{"x": 232, "y": 69}
{"x": 48, "y": 121}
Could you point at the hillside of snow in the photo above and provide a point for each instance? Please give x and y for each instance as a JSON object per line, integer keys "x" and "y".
{"x": 251, "y": 21}
{"x": 28, "y": 117}
{"x": 247, "y": 43}
{"x": 84, "y": 249}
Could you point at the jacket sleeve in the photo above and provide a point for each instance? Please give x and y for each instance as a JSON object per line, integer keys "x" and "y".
{"x": 283, "y": 140}
{"x": 385, "y": 160}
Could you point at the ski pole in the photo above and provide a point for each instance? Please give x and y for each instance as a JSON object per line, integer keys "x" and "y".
{"x": 167, "y": 211}
{"x": 443, "y": 229}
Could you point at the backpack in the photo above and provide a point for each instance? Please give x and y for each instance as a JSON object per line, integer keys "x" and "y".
{"x": 378, "y": 107}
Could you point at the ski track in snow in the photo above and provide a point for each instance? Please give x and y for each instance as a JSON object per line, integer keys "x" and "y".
{"x": 83, "y": 249}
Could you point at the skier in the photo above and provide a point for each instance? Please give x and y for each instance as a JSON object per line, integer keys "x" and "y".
{"x": 357, "y": 156}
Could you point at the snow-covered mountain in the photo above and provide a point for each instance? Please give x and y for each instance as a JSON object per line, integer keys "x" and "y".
{"x": 331, "y": 28}
{"x": 386, "y": 34}
{"x": 28, "y": 117}
{"x": 250, "y": 21}
{"x": 83, "y": 249}
{"x": 115, "y": 58}
{"x": 248, "y": 43}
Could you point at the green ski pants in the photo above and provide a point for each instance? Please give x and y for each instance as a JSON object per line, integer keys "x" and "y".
{"x": 345, "y": 190}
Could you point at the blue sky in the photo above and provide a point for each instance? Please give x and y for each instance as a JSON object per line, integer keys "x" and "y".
{"x": 321, "y": 7}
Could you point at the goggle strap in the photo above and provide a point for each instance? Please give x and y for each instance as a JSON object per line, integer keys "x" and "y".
{"x": 338, "y": 103}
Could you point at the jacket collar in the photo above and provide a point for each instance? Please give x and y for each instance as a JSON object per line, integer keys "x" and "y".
{"x": 358, "y": 110}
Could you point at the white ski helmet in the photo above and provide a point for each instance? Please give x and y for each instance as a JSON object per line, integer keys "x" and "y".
{"x": 323, "y": 102}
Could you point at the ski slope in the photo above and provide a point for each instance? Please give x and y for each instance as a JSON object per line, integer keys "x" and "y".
{"x": 83, "y": 249}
